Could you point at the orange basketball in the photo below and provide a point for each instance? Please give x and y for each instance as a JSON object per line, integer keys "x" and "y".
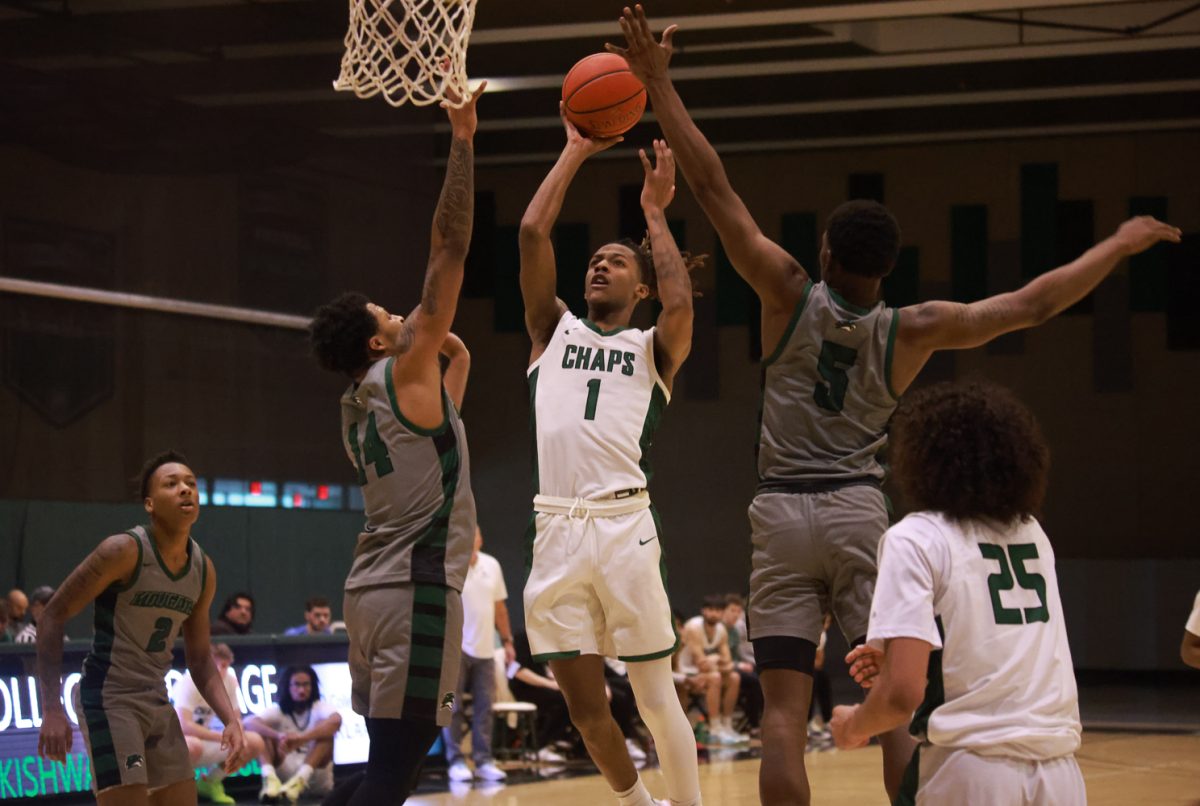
{"x": 602, "y": 97}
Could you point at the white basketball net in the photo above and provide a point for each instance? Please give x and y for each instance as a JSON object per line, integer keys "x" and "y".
{"x": 408, "y": 50}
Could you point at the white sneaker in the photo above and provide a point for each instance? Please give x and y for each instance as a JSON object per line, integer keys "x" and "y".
{"x": 549, "y": 756}
{"x": 490, "y": 772}
{"x": 272, "y": 788}
{"x": 636, "y": 753}
{"x": 459, "y": 771}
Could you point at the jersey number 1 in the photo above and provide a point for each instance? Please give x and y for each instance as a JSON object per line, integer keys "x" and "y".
{"x": 589, "y": 411}
{"x": 1003, "y": 581}
{"x": 373, "y": 449}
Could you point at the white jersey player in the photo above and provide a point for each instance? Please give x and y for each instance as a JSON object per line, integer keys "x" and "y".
{"x": 597, "y": 389}
{"x": 966, "y": 608}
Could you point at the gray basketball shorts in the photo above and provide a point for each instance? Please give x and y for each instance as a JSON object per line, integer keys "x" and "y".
{"x": 132, "y": 738}
{"x": 405, "y": 647}
{"x": 814, "y": 553}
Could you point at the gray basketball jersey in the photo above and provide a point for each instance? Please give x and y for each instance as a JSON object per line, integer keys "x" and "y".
{"x": 136, "y": 624}
{"x": 827, "y": 393}
{"x": 416, "y": 485}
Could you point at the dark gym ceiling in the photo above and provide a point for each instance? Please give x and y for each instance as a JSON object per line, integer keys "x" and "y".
{"x": 214, "y": 85}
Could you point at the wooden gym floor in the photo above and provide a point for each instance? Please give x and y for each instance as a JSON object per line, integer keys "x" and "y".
{"x": 1120, "y": 769}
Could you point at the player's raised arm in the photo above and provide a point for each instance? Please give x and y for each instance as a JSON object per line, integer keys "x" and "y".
{"x": 450, "y": 236}
{"x": 114, "y": 560}
{"x": 197, "y": 649}
{"x": 457, "y": 370}
{"x": 773, "y": 273}
{"x": 538, "y": 272}
{"x": 942, "y": 325}
{"x": 673, "y": 332}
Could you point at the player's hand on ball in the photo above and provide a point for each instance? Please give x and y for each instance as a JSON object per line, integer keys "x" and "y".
{"x": 865, "y": 663}
{"x": 578, "y": 140}
{"x": 233, "y": 740}
{"x": 54, "y": 740}
{"x": 1140, "y": 233}
{"x": 839, "y": 726}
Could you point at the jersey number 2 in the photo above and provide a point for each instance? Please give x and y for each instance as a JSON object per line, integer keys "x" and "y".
{"x": 834, "y": 363}
{"x": 373, "y": 449}
{"x": 158, "y": 639}
{"x": 1003, "y": 581}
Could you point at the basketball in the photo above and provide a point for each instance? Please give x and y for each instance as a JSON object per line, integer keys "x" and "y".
{"x": 602, "y": 97}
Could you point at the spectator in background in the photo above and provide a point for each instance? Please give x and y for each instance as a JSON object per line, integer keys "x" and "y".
{"x": 1189, "y": 650}
{"x": 237, "y": 615}
{"x": 298, "y": 733}
{"x": 202, "y": 730}
{"x": 484, "y": 611}
{"x": 530, "y": 681}
{"x": 317, "y": 616}
{"x": 18, "y": 603}
{"x": 750, "y": 691}
{"x": 5, "y": 633}
{"x": 706, "y": 648}
{"x": 37, "y": 604}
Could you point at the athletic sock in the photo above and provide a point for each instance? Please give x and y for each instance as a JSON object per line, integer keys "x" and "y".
{"x": 267, "y": 770}
{"x": 654, "y": 689}
{"x": 636, "y": 795}
{"x": 305, "y": 772}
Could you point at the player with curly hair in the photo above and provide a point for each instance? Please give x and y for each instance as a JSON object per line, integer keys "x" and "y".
{"x": 967, "y": 610}
{"x": 597, "y": 389}
{"x": 402, "y": 433}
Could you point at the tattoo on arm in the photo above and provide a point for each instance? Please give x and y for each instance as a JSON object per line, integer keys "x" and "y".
{"x": 455, "y": 211}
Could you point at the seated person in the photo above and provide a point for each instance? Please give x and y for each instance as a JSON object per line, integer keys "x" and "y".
{"x": 530, "y": 681}
{"x": 237, "y": 616}
{"x": 202, "y": 729}
{"x": 689, "y": 682}
{"x": 38, "y": 600}
{"x": 706, "y": 650}
{"x": 298, "y": 733}
{"x": 742, "y": 652}
{"x": 317, "y": 616}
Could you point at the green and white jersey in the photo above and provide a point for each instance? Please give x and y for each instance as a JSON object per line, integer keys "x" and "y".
{"x": 827, "y": 392}
{"x": 136, "y": 624}
{"x": 595, "y": 399}
{"x": 985, "y": 597}
{"x": 416, "y": 486}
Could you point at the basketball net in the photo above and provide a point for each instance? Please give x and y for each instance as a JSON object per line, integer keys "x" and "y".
{"x": 408, "y": 50}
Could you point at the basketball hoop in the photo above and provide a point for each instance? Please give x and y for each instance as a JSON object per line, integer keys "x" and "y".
{"x": 407, "y": 50}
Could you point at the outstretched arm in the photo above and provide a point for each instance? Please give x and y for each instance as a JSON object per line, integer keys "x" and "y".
{"x": 114, "y": 560}
{"x": 773, "y": 273}
{"x": 673, "y": 333}
{"x": 942, "y": 325}
{"x": 197, "y": 649}
{"x": 538, "y": 274}
{"x": 450, "y": 237}
{"x": 455, "y": 376}
{"x": 896, "y": 694}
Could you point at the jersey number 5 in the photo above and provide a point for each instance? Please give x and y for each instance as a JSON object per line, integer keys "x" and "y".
{"x": 372, "y": 448}
{"x": 1003, "y": 581}
{"x": 834, "y": 363}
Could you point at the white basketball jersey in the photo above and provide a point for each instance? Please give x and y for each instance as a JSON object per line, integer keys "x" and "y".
{"x": 596, "y": 399}
{"x": 987, "y": 596}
